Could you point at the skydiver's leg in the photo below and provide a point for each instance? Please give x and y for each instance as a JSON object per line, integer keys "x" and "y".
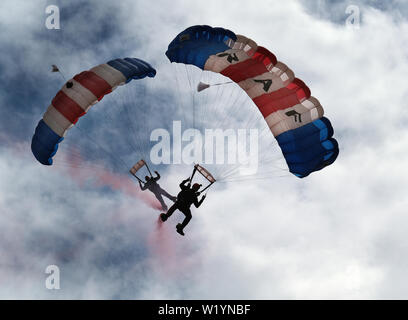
{"x": 187, "y": 213}
{"x": 167, "y": 195}
{"x": 161, "y": 200}
{"x": 171, "y": 210}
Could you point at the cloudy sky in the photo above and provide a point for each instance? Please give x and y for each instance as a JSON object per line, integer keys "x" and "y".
{"x": 337, "y": 234}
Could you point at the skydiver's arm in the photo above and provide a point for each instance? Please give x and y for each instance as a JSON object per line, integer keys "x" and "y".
{"x": 198, "y": 203}
{"x": 158, "y": 176}
{"x": 183, "y": 184}
{"x": 142, "y": 187}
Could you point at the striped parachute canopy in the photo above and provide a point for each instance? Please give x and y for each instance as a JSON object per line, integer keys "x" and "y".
{"x": 77, "y": 96}
{"x": 294, "y": 117}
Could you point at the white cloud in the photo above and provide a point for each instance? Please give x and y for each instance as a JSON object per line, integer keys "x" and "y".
{"x": 339, "y": 233}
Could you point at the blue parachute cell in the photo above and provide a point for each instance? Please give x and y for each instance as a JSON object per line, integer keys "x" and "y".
{"x": 133, "y": 68}
{"x": 45, "y": 143}
{"x": 309, "y": 148}
{"x": 195, "y": 44}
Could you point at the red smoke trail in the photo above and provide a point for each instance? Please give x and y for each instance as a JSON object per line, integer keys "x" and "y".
{"x": 81, "y": 171}
{"x": 78, "y": 170}
{"x": 165, "y": 253}
{"x": 163, "y": 249}
{"x": 168, "y": 257}
{"x": 172, "y": 256}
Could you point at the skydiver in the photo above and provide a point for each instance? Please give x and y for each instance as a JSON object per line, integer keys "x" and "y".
{"x": 153, "y": 186}
{"x": 185, "y": 199}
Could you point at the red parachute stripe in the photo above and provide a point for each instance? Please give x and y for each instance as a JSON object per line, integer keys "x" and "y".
{"x": 264, "y": 56}
{"x": 244, "y": 70}
{"x": 284, "y": 98}
{"x": 67, "y": 107}
{"x": 97, "y": 85}
{"x": 251, "y": 67}
{"x": 302, "y": 93}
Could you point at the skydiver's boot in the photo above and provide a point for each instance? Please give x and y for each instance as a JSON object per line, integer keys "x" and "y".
{"x": 163, "y": 217}
{"x": 179, "y": 229}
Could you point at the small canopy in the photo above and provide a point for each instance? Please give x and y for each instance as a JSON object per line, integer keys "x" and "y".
{"x": 202, "y": 86}
{"x": 137, "y": 166}
{"x": 205, "y": 173}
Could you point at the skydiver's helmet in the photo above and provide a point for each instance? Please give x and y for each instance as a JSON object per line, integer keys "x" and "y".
{"x": 147, "y": 178}
{"x": 196, "y": 186}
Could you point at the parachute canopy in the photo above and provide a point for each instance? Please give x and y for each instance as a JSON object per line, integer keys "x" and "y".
{"x": 294, "y": 117}
{"x": 202, "y": 86}
{"x": 77, "y": 96}
{"x": 137, "y": 166}
{"x": 204, "y": 172}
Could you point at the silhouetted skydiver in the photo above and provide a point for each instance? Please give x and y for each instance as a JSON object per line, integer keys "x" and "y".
{"x": 185, "y": 199}
{"x": 153, "y": 186}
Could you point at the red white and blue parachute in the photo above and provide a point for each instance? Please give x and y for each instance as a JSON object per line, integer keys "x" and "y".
{"x": 294, "y": 116}
{"x": 77, "y": 96}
